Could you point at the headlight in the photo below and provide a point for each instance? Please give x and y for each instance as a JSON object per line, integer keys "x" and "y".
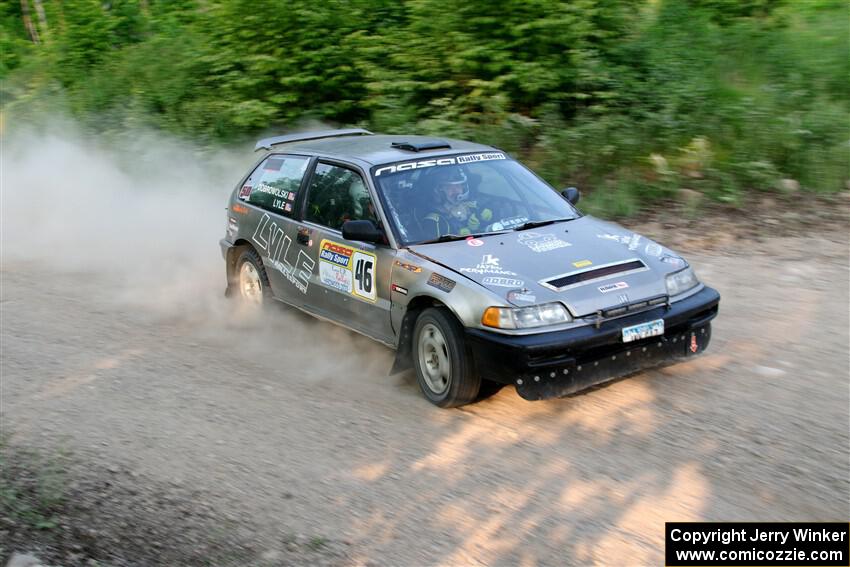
{"x": 526, "y": 317}
{"x": 681, "y": 281}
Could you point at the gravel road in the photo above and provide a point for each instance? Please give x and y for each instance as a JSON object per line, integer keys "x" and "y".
{"x": 286, "y": 435}
{"x": 295, "y": 424}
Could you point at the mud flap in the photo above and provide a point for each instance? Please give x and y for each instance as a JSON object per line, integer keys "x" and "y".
{"x": 576, "y": 375}
{"x": 402, "y": 362}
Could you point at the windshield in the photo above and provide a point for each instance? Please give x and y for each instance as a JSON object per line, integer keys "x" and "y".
{"x": 464, "y": 195}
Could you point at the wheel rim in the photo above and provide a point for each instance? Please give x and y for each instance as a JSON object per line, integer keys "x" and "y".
{"x": 250, "y": 286}
{"x": 434, "y": 359}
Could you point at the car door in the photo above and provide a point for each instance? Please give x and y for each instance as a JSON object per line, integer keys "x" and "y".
{"x": 350, "y": 283}
{"x": 272, "y": 191}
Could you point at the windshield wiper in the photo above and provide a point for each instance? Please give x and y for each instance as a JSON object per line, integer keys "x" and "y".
{"x": 535, "y": 224}
{"x": 452, "y": 237}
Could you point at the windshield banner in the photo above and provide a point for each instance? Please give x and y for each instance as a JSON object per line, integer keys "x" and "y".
{"x": 410, "y": 165}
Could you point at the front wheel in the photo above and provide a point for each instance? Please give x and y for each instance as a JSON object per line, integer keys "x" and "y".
{"x": 444, "y": 368}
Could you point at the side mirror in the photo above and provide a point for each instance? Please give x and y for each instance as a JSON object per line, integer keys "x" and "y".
{"x": 362, "y": 230}
{"x": 571, "y": 194}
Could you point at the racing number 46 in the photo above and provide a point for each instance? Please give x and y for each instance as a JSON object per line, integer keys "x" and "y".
{"x": 364, "y": 275}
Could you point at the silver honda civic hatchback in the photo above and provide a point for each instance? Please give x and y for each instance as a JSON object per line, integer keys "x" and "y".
{"x": 462, "y": 260}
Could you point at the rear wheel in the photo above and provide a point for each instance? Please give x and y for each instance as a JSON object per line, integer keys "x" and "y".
{"x": 250, "y": 282}
{"x": 444, "y": 368}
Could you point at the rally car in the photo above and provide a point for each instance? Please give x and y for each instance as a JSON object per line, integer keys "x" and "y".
{"x": 461, "y": 259}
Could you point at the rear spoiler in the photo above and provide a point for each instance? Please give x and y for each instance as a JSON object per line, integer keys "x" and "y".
{"x": 268, "y": 143}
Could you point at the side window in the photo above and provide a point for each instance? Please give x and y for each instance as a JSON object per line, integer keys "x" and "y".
{"x": 338, "y": 194}
{"x": 274, "y": 183}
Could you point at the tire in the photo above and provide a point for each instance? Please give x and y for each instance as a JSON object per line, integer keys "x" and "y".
{"x": 250, "y": 284}
{"x": 488, "y": 389}
{"x": 444, "y": 367}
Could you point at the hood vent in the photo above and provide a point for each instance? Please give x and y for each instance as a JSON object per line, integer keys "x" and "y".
{"x": 572, "y": 279}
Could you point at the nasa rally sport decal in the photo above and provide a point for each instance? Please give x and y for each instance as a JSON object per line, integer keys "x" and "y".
{"x": 409, "y": 165}
{"x": 347, "y": 270}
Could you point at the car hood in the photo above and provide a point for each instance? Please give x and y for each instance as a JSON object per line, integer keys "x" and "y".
{"x": 587, "y": 264}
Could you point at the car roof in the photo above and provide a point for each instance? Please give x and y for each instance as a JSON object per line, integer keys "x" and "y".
{"x": 377, "y": 149}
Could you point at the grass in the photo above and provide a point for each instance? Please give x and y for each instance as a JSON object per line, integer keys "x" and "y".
{"x": 722, "y": 102}
{"x": 32, "y": 486}
{"x": 317, "y": 542}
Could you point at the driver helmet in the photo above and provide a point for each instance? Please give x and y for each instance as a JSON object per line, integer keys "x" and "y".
{"x": 450, "y": 185}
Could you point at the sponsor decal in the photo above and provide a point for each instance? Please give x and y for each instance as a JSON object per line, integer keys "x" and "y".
{"x": 335, "y": 277}
{"x": 521, "y": 295}
{"x": 541, "y": 242}
{"x": 245, "y": 192}
{"x": 632, "y": 241}
{"x": 273, "y": 164}
{"x": 653, "y": 249}
{"x": 582, "y": 263}
{"x": 409, "y": 267}
{"x": 489, "y": 265}
{"x": 398, "y": 289}
{"x": 441, "y": 282}
{"x": 348, "y": 270}
{"x": 232, "y": 227}
{"x": 335, "y": 253}
{"x": 509, "y": 223}
{"x": 613, "y": 287}
{"x": 480, "y": 157}
{"x": 270, "y": 239}
{"x": 411, "y": 165}
{"x": 694, "y": 346}
{"x": 616, "y": 238}
{"x": 474, "y": 241}
{"x": 672, "y": 260}
{"x": 502, "y": 282}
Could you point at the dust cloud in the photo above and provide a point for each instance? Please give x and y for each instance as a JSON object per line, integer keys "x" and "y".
{"x": 148, "y": 212}
{"x": 140, "y": 219}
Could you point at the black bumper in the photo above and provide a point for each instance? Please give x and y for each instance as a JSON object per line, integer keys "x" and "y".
{"x": 555, "y": 364}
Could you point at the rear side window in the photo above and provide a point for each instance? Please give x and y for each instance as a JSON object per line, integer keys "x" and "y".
{"x": 338, "y": 194}
{"x": 274, "y": 184}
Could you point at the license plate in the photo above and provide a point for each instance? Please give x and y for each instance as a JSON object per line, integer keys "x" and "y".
{"x": 644, "y": 330}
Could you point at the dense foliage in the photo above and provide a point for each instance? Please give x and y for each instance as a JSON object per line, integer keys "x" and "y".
{"x": 633, "y": 97}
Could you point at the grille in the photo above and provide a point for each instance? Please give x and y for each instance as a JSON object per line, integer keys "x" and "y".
{"x": 632, "y": 307}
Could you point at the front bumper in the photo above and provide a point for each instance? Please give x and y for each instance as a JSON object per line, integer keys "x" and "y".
{"x": 555, "y": 364}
